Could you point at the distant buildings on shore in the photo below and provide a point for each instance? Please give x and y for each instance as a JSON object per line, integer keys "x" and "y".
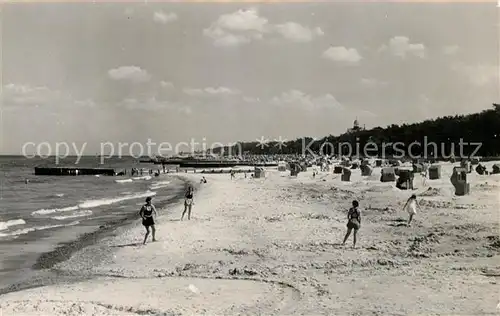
{"x": 355, "y": 127}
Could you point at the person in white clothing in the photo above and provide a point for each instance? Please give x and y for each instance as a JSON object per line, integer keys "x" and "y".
{"x": 411, "y": 207}
{"x": 424, "y": 175}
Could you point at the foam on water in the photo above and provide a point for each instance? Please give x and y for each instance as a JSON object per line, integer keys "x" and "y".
{"x": 124, "y": 181}
{"x": 159, "y": 185}
{"x": 55, "y": 210}
{"x": 142, "y": 178}
{"x": 13, "y": 222}
{"x": 94, "y": 203}
{"x": 101, "y": 202}
{"x": 57, "y": 202}
{"x": 32, "y": 229}
{"x": 74, "y": 215}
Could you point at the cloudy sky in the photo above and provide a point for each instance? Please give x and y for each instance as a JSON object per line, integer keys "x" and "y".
{"x": 226, "y": 72}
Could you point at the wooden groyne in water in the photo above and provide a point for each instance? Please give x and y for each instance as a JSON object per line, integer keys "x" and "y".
{"x": 70, "y": 171}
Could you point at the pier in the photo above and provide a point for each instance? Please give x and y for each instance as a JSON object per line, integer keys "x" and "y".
{"x": 69, "y": 171}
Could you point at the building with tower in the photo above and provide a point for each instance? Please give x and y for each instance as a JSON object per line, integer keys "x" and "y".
{"x": 355, "y": 127}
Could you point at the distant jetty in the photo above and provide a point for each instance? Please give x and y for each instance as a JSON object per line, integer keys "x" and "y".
{"x": 61, "y": 171}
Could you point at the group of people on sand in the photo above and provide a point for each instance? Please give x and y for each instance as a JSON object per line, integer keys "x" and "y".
{"x": 354, "y": 217}
{"x": 148, "y": 213}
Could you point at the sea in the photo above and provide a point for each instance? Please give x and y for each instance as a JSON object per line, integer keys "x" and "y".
{"x": 40, "y": 213}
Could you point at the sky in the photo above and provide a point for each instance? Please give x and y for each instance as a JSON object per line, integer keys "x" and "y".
{"x": 122, "y": 73}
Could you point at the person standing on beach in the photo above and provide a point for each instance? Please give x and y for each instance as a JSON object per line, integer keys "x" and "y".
{"x": 353, "y": 222}
{"x": 188, "y": 202}
{"x": 411, "y": 207}
{"x": 424, "y": 176}
{"x": 146, "y": 213}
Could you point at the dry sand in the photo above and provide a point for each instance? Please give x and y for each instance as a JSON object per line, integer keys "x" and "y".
{"x": 271, "y": 247}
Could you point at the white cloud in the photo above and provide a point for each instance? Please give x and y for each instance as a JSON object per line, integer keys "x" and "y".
{"x": 221, "y": 90}
{"x": 164, "y": 18}
{"x": 365, "y": 113}
{"x": 230, "y": 40}
{"x": 152, "y": 104}
{"x": 130, "y": 73}
{"x": 245, "y": 26}
{"x": 317, "y": 104}
{"x": 243, "y": 20}
{"x": 298, "y": 33}
{"x": 480, "y": 74}
{"x": 210, "y": 91}
{"x": 166, "y": 84}
{"x": 305, "y": 101}
{"x": 400, "y": 46}
{"x": 237, "y": 28}
{"x": 450, "y": 50}
{"x": 24, "y": 95}
{"x": 343, "y": 55}
{"x": 248, "y": 99}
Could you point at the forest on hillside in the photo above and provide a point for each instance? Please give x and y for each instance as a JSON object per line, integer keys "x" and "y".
{"x": 475, "y": 134}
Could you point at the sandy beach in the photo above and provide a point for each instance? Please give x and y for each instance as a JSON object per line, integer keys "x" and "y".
{"x": 271, "y": 246}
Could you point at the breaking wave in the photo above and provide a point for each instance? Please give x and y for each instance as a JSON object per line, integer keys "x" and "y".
{"x": 94, "y": 203}
{"x": 12, "y": 222}
{"x": 32, "y": 229}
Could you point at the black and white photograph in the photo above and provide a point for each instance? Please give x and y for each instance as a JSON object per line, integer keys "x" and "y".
{"x": 249, "y": 158}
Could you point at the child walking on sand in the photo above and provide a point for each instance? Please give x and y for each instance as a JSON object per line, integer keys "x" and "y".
{"x": 411, "y": 207}
{"x": 353, "y": 222}
{"x": 188, "y": 203}
{"x": 146, "y": 213}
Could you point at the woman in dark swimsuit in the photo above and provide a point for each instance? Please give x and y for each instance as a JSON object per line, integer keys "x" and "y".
{"x": 188, "y": 202}
{"x": 146, "y": 213}
{"x": 353, "y": 222}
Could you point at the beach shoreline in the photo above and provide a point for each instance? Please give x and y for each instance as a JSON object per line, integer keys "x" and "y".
{"x": 42, "y": 272}
{"x": 272, "y": 246}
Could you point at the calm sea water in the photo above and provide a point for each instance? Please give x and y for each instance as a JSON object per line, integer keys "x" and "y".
{"x": 36, "y": 216}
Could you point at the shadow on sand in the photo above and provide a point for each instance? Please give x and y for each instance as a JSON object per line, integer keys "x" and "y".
{"x": 399, "y": 222}
{"x": 127, "y": 245}
{"x": 398, "y": 225}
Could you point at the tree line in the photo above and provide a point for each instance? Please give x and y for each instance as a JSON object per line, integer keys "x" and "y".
{"x": 476, "y": 134}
